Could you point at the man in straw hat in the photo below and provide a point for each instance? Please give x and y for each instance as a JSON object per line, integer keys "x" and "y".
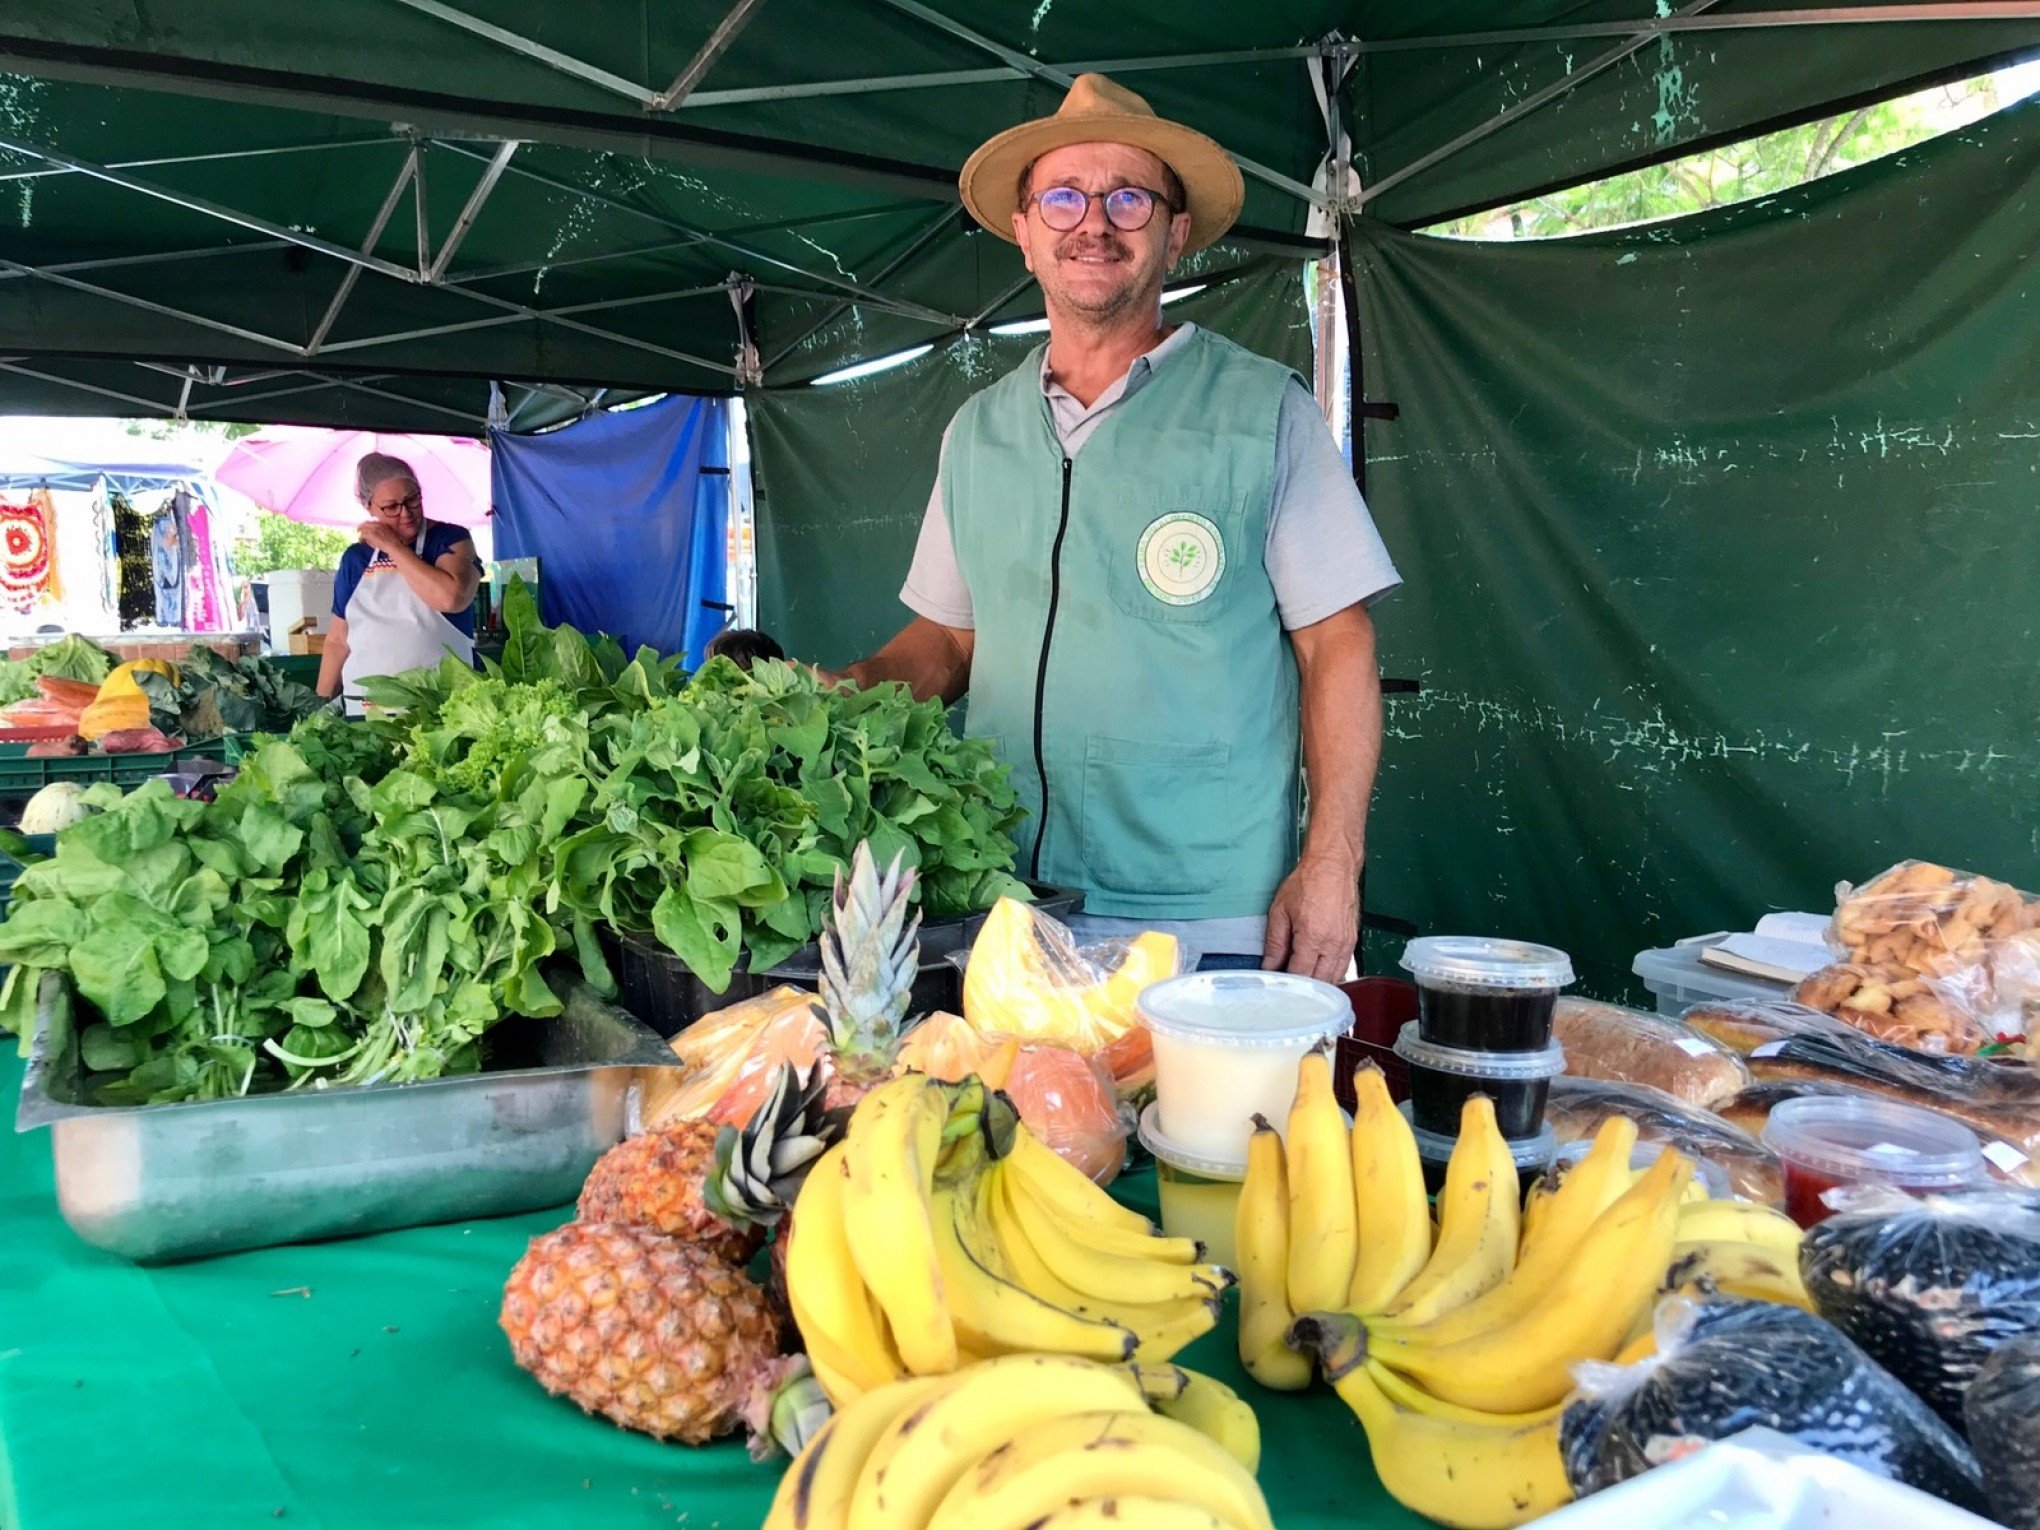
{"x": 1123, "y": 533}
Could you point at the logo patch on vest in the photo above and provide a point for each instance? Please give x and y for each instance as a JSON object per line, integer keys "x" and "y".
{"x": 1180, "y": 558}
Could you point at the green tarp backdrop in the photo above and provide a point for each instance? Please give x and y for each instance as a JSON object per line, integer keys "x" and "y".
{"x": 1721, "y": 544}
{"x": 843, "y": 472}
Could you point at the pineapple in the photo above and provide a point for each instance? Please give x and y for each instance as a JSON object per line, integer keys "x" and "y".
{"x": 871, "y": 950}
{"x": 656, "y": 1335}
{"x": 718, "y": 1187}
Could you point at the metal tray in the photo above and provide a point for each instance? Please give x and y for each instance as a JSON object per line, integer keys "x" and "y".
{"x": 164, "y": 1182}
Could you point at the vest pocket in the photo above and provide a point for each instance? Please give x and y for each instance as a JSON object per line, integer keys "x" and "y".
{"x": 1154, "y": 817}
{"x": 1180, "y": 560}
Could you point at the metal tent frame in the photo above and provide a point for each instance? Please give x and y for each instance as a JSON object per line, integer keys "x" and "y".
{"x": 376, "y": 329}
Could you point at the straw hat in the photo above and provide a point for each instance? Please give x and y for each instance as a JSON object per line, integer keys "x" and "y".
{"x": 1098, "y": 111}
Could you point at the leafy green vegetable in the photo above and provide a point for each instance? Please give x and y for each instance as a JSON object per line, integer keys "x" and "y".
{"x": 713, "y": 813}
{"x": 214, "y": 695}
{"x": 363, "y": 901}
{"x": 69, "y": 658}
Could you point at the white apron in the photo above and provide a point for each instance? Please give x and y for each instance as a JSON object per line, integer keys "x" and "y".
{"x": 390, "y": 630}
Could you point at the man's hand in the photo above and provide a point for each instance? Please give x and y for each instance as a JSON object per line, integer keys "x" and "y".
{"x": 381, "y": 538}
{"x": 1314, "y": 922}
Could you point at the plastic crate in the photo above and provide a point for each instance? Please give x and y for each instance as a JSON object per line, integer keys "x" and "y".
{"x": 1678, "y": 979}
{"x": 22, "y": 776}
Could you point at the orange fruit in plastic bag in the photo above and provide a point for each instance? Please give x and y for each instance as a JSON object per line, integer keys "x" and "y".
{"x": 948, "y": 1047}
{"x": 1068, "y": 1100}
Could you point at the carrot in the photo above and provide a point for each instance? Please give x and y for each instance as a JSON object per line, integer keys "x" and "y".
{"x": 76, "y": 694}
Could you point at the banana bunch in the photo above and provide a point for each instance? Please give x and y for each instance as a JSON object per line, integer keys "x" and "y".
{"x": 1743, "y": 1249}
{"x": 1454, "y": 1350}
{"x": 1032, "y": 1440}
{"x": 940, "y": 1231}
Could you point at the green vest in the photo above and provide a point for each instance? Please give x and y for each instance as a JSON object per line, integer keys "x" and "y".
{"x": 1130, "y": 662}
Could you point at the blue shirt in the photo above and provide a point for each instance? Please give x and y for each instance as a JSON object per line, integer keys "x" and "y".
{"x": 440, "y": 539}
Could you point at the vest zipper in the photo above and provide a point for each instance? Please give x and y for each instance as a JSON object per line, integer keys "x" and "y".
{"x": 1062, "y": 527}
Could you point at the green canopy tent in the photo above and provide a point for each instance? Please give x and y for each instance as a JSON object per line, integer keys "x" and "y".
{"x": 441, "y": 213}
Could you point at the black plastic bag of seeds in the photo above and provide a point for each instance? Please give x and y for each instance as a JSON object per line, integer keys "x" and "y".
{"x": 1929, "y": 1287}
{"x": 1723, "y": 1365}
{"x": 2001, "y": 1406}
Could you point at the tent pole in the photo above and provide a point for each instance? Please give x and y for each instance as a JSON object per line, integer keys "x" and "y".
{"x": 1521, "y": 109}
{"x": 919, "y": 243}
{"x": 210, "y": 209}
{"x": 718, "y": 240}
{"x": 697, "y": 68}
{"x": 1055, "y": 76}
{"x": 205, "y": 159}
{"x": 552, "y": 58}
{"x": 1840, "y": 15}
{"x": 287, "y": 346}
{"x": 992, "y": 76}
{"x": 375, "y": 233}
{"x": 472, "y": 210}
{"x": 464, "y": 326}
{"x": 152, "y": 405}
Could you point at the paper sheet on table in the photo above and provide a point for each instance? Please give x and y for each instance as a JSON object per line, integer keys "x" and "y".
{"x": 1784, "y": 947}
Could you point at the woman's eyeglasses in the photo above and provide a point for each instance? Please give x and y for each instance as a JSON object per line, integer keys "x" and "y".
{"x": 1127, "y": 208}
{"x": 413, "y": 504}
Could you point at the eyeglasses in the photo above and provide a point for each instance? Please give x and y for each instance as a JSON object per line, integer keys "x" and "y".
{"x": 1127, "y": 208}
{"x": 413, "y": 504}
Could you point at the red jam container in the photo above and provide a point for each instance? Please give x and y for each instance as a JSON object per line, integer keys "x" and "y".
{"x": 1826, "y": 1143}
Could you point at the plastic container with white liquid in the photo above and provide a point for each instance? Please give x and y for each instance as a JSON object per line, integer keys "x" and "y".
{"x": 1227, "y": 1046}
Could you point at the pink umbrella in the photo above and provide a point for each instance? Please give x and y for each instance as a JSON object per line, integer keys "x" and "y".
{"x": 308, "y": 474}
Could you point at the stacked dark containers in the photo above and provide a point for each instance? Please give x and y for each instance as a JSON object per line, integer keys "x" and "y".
{"x": 1483, "y": 1026}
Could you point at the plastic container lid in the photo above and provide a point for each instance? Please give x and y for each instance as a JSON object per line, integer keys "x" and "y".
{"x": 1855, "y": 1140}
{"x": 1167, "y": 1150}
{"x": 1529, "y": 1152}
{"x": 1512, "y": 1067}
{"x": 1245, "y": 1009}
{"x": 1480, "y": 961}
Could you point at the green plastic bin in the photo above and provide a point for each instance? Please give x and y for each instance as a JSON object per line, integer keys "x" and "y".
{"x": 22, "y": 777}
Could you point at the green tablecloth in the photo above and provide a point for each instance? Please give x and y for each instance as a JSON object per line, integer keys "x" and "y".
{"x": 365, "y": 1383}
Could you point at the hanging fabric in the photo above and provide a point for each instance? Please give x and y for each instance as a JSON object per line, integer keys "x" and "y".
{"x": 45, "y": 503}
{"x": 24, "y": 556}
{"x": 626, "y": 514}
{"x": 202, "y": 605}
{"x": 166, "y": 558}
{"x": 135, "y": 595}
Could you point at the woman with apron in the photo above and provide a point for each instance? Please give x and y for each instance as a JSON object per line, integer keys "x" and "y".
{"x": 404, "y": 595}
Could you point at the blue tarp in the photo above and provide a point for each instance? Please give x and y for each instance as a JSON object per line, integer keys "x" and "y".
{"x": 627, "y": 514}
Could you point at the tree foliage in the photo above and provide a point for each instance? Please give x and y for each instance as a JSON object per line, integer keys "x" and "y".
{"x": 280, "y": 542}
{"x": 1740, "y": 172}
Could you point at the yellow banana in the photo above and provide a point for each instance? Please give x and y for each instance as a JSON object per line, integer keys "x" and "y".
{"x": 1105, "y": 1237}
{"x": 1323, "y": 1230}
{"x": 1162, "y": 1332}
{"x": 1160, "y": 1328}
{"x": 1739, "y": 1222}
{"x": 815, "y": 1491}
{"x": 1393, "y": 1208}
{"x": 839, "y": 1326}
{"x": 1755, "y": 1270}
{"x": 1052, "y": 1178}
{"x": 1479, "y": 1215}
{"x": 912, "y": 1465}
{"x": 1589, "y": 1188}
{"x": 1127, "y": 1276}
{"x": 1261, "y": 1241}
{"x": 891, "y": 1147}
{"x": 1585, "y": 1314}
{"x": 1130, "y": 1511}
{"x": 993, "y": 1316}
{"x": 1086, "y": 1455}
{"x": 1405, "y": 1393}
{"x": 1212, "y": 1408}
{"x": 1474, "y": 1476}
